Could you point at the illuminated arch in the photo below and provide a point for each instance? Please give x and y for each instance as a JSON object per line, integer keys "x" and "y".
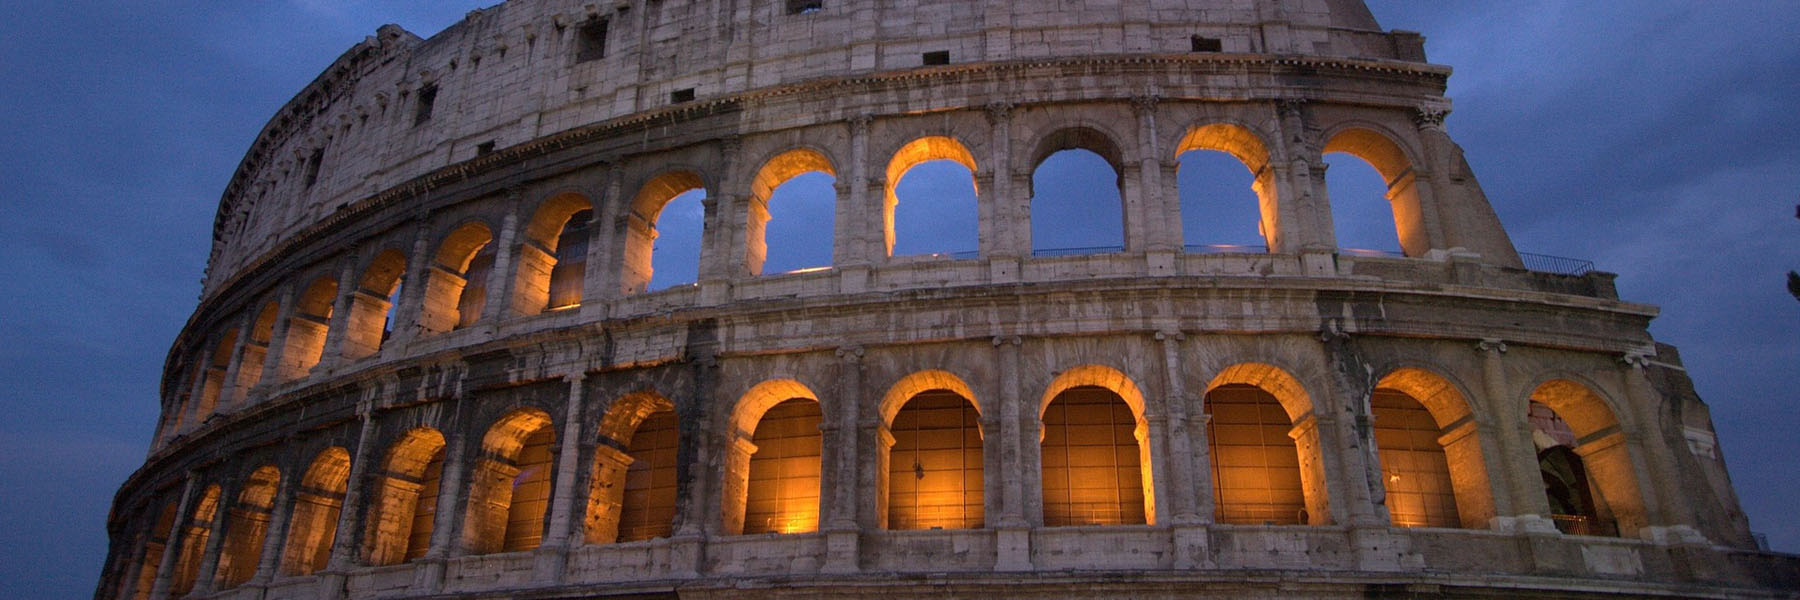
{"x": 402, "y": 513}
{"x": 931, "y": 465}
{"x": 453, "y": 295}
{"x": 1251, "y": 150}
{"x": 1422, "y": 460}
{"x": 304, "y": 343}
{"x": 774, "y": 172}
{"x": 1396, "y": 169}
{"x": 246, "y": 524}
{"x": 640, "y": 231}
{"x": 256, "y": 350}
{"x": 509, "y": 487}
{"x": 1111, "y": 503}
{"x": 368, "y": 324}
{"x": 156, "y": 542}
{"x": 212, "y": 378}
{"x": 1604, "y": 453}
{"x": 193, "y": 541}
{"x": 772, "y": 473}
{"x": 553, "y": 258}
{"x": 633, "y": 493}
{"x": 915, "y": 153}
{"x": 313, "y": 525}
{"x": 1253, "y": 482}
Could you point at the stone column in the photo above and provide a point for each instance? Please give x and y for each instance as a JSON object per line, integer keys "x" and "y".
{"x": 1178, "y": 462}
{"x": 348, "y": 283}
{"x": 500, "y": 278}
{"x": 855, "y": 230}
{"x": 275, "y": 536}
{"x": 1005, "y": 213}
{"x": 134, "y": 564}
{"x": 271, "y": 375}
{"x": 1304, "y": 216}
{"x": 165, "y": 570}
{"x": 1517, "y": 468}
{"x": 721, "y": 256}
{"x": 190, "y": 419}
{"x": 552, "y": 555}
{"x": 428, "y": 577}
{"x": 231, "y": 394}
{"x": 348, "y": 534}
{"x": 600, "y": 280}
{"x": 841, "y": 515}
{"x": 1671, "y": 516}
{"x": 1018, "y": 426}
{"x": 406, "y": 326}
{"x": 1147, "y": 227}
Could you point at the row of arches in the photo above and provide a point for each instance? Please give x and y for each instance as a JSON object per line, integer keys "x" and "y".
{"x": 466, "y": 275}
{"x": 936, "y": 454}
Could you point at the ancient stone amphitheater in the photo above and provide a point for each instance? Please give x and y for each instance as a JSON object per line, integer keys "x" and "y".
{"x": 428, "y": 360}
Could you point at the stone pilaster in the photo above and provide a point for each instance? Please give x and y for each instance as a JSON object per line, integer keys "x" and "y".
{"x": 165, "y": 570}
{"x": 552, "y": 554}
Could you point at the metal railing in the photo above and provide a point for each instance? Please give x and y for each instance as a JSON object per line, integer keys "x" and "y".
{"x": 1559, "y": 265}
{"x": 1225, "y": 249}
{"x": 1049, "y": 252}
{"x": 1584, "y": 525}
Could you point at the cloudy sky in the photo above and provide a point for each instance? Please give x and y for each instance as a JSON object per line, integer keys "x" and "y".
{"x": 1655, "y": 137}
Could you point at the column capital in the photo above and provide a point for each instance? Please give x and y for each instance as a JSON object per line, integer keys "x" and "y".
{"x": 850, "y": 353}
{"x": 1430, "y": 116}
{"x": 859, "y": 123}
{"x": 1007, "y": 340}
{"x": 998, "y": 112}
{"x": 1491, "y": 345}
{"x": 1170, "y": 334}
{"x": 1145, "y": 103}
{"x": 1636, "y": 359}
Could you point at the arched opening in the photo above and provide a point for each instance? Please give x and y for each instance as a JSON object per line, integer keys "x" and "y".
{"x": 663, "y": 233}
{"x": 1414, "y": 469}
{"x": 307, "y": 329}
{"x": 553, "y": 259}
{"x": 1266, "y": 462}
{"x": 256, "y": 349}
{"x": 510, "y": 484}
{"x": 1367, "y": 171}
{"x": 797, "y": 185}
{"x": 212, "y": 381}
{"x": 371, "y": 306}
{"x": 935, "y": 473}
{"x": 1585, "y": 463}
{"x": 1077, "y": 194}
{"x": 193, "y": 542}
{"x": 1227, "y": 193}
{"x": 403, "y": 513}
{"x": 634, "y": 484}
{"x": 246, "y": 523}
{"x": 941, "y": 213}
{"x": 155, "y": 544}
{"x": 1095, "y": 450}
{"x": 1430, "y": 452}
{"x": 783, "y": 486}
{"x": 313, "y": 526}
{"x": 456, "y": 284}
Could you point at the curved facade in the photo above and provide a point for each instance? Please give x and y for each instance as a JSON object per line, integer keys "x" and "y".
{"x": 429, "y": 359}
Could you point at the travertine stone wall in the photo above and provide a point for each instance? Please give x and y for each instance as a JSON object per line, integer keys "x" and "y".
{"x": 477, "y": 440}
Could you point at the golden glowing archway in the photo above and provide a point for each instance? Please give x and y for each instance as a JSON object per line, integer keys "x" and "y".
{"x": 1267, "y": 465}
{"x": 246, "y": 525}
{"x": 1087, "y": 400}
{"x": 774, "y": 172}
{"x": 772, "y": 482}
{"x": 510, "y": 484}
{"x": 403, "y": 512}
{"x": 1396, "y": 169}
{"x": 640, "y": 229}
{"x": 313, "y": 526}
{"x": 553, "y": 259}
{"x": 915, "y": 153}
{"x": 1603, "y": 451}
{"x": 451, "y": 289}
{"x": 1430, "y": 452}
{"x": 932, "y": 467}
{"x": 1251, "y": 151}
{"x": 634, "y": 487}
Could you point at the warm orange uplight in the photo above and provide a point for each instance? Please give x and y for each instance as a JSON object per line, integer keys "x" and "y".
{"x": 565, "y": 307}
{"x": 808, "y": 270}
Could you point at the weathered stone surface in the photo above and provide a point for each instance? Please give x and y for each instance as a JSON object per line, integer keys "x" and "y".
{"x": 535, "y": 424}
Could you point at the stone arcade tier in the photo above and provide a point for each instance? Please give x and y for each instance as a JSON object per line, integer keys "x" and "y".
{"x": 427, "y": 361}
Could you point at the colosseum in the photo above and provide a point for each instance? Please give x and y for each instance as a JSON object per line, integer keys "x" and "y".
{"x": 430, "y": 359}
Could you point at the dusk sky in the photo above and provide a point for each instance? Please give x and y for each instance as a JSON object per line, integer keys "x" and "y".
{"x": 1654, "y": 137}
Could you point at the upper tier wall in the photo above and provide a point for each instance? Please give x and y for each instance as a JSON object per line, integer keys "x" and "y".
{"x": 522, "y": 70}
